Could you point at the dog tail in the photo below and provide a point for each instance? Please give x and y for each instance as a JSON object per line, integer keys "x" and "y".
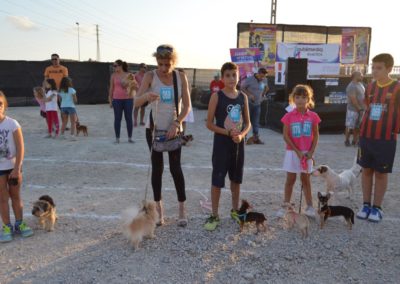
{"x": 48, "y": 199}
{"x": 127, "y": 216}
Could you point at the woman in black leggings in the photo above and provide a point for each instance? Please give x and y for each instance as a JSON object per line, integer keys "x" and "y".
{"x": 157, "y": 88}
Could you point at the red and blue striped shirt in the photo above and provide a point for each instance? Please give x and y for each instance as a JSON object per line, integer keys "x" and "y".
{"x": 381, "y": 120}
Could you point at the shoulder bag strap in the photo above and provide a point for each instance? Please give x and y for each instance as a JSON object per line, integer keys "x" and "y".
{"x": 176, "y": 94}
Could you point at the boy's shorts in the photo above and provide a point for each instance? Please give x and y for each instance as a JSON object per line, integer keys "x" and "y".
{"x": 376, "y": 154}
{"x": 68, "y": 110}
{"x": 224, "y": 161}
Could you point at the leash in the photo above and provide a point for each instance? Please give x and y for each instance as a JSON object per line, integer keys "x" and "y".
{"x": 151, "y": 150}
{"x": 301, "y": 197}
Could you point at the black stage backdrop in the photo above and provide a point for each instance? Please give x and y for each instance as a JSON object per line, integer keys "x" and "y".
{"x": 90, "y": 80}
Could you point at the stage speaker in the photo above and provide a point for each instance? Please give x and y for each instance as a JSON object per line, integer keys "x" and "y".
{"x": 319, "y": 88}
{"x": 296, "y": 73}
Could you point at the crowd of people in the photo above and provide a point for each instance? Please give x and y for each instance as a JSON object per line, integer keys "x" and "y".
{"x": 231, "y": 115}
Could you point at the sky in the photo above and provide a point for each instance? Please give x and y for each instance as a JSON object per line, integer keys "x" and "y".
{"x": 202, "y": 31}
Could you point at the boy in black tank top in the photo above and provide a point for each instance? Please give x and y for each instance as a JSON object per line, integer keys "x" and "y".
{"x": 230, "y": 110}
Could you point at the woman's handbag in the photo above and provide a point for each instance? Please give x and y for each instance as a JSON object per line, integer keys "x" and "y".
{"x": 160, "y": 141}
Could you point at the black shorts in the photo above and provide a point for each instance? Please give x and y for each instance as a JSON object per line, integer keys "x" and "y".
{"x": 376, "y": 154}
{"x": 228, "y": 157}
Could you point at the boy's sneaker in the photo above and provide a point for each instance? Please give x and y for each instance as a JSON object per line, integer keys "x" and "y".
{"x": 375, "y": 215}
{"x": 212, "y": 223}
{"x": 24, "y": 230}
{"x": 310, "y": 212}
{"x": 364, "y": 212}
{"x": 235, "y": 215}
{"x": 6, "y": 234}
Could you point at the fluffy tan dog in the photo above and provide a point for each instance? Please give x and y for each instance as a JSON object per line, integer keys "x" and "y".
{"x": 299, "y": 220}
{"x": 143, "y": 224}
{"x": 45, "y": 209}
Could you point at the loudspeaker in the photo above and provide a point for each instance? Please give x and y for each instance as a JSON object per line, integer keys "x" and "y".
{"x": 296, "y": 73}
{"x": 319, "y": 88}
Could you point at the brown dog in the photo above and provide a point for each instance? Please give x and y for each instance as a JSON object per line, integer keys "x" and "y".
{"x": 248, "y": 217}
{"x": 45, "y": 209}
{"x": 80, "y": 128}
{"x": 300, "y": 220}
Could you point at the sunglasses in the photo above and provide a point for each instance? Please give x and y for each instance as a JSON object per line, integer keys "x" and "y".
{"x": 164, "y": 48}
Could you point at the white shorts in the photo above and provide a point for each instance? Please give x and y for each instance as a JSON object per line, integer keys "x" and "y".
{"x": 291, "y": 163}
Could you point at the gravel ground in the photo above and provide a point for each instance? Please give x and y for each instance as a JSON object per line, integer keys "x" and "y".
{"x": 92, "y": 181}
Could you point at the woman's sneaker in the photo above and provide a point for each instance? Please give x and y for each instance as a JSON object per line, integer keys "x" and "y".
{"x": 375, "y": 215}
{"x": 6, "y": 234}
{"x": 282, "y": 211}
{"x": 364, "y": 212}
{"x": 310, "y": 212}
{"x": 212, "y": 223}
{"x": 24, "y": 230}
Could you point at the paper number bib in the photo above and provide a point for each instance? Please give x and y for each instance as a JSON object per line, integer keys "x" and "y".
{"x": 298, "y": 129}
{"x": 166, "y": 94}
{"x": 376, "y": 112}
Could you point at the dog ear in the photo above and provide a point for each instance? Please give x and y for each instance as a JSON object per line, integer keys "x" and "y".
{"x": 323, "y": 169}
{"x": 319, "y": 194}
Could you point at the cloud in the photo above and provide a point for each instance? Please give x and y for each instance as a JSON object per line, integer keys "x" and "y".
{"x": 22, "y": 23}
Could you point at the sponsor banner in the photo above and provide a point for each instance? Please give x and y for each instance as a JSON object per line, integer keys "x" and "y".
{"x": 248, "y": 60}
{"x": 323, "y": 59}
{"x": 348, "y": 44}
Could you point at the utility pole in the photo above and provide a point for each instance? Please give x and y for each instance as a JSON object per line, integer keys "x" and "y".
{"x": 273, "y": 12}
{"x": 79, "y": 44}
{"x": 98, "y": 44}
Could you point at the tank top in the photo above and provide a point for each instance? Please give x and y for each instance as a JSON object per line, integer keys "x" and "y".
{"x": 119, "y": 91}
{"x": 166, "y": 110}
{"x": 229, "y": 112}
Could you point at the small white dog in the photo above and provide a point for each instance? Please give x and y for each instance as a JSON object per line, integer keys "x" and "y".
{"x": 142, "y": 225}
{"x": 334, "y": 182}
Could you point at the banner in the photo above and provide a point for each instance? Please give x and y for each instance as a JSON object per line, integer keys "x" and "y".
{"x": 361, "y": 46}
{"x": 263, "y": 37}
{"x": 323, "y": 59}
{"x": 347, "y": 51}
{"x": 248, "y": 60}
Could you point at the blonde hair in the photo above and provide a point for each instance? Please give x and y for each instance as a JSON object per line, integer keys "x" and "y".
{"x": 3, "y": 96}
{"x": 303, "y": 90}
{"x": 166, "y": 51}
{"x": 39, "y": 91}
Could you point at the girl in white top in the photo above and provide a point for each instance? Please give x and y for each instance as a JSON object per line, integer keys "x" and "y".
{"x": 11, "y": 157}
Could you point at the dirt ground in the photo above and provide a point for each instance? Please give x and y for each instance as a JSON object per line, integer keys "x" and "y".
{"x": 93, "y": 180}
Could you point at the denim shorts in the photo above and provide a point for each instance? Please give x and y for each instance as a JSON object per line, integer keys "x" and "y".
{"x": 68, "y": 110}
{"x": 5, "y": 172}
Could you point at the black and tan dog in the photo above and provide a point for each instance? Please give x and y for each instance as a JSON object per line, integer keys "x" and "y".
{"x": 80, "y": 127}
{"x": 45, "y": 209}
{"x": 247, "y": 217}
{"x": 327, "y": 211}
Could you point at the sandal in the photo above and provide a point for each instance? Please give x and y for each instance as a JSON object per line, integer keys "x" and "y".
{"x": 182, "y": 222}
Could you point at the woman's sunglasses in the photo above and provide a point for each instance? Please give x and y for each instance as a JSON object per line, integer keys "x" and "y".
{"x": 164, "y": 48}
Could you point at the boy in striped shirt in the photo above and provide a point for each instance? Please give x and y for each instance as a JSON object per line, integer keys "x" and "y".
{"x": 378, "y": 134}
